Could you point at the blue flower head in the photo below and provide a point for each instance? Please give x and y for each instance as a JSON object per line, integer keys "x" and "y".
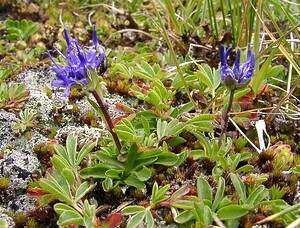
{"x": 240, "y": 75}
{"x": 79, "y": 61}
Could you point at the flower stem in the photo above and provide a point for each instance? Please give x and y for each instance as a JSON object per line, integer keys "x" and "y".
{"x": 225, "y": 116}
{"x": 108, "y": 120}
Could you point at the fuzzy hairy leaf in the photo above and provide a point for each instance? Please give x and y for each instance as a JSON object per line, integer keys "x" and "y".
{"x": 185, "y": 217}
{"x": 203, "y": 189}
{"x": 57, "y": 185}
{"x": 84, "y": 151}
{"x": 71, "y": 146}
{"x": 83, "y": 189}
{"x": 219, "y": 194}
{"x": 130, "y": 210}
{"x": 239, "y": 186}
{"x": 97, "y": 171}
{"x": 231, "y": 212}
{"x": 136, "y": 219}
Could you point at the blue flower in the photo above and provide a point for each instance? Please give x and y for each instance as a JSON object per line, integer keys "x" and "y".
{"x": 241, "y": 74}
{"x": 79, "y": 62}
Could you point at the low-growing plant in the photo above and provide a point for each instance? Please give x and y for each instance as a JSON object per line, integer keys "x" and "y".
{"x": 224, "y": 159}
{"x": 206, "y": 207}
{"x": 27, "y": 117}
{"x": 131, "y": 169}
{"x": 65, "y": 185}
{"x": 20, "y": 30}
{"x": 4, "y": 73}
{"x": 143, "y": 215}
{"x": 13, "y": 97}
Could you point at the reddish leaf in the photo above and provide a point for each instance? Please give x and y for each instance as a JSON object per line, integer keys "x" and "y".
{"x": 36, "y": 192}
{"x": 244, "y": 120}
{"x": 246, "y": 101}
{"x": 118, "y": 119}
{"x": 123, "y": 108}
{"x": 112, "y": 221}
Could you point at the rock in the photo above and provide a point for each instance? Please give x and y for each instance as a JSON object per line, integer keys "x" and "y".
{"x": 7, "y": 121}
{"x": 20, "y": 162}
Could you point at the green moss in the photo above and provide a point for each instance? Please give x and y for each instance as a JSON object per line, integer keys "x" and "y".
{"x": 4, "y": 183}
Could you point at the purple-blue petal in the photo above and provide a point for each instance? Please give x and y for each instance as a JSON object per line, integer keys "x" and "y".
{"x": 67, "y": 37}
{"x": 236, "y": 69}
{"x": 79, "y": 61}
{"x": 241, "y": 73}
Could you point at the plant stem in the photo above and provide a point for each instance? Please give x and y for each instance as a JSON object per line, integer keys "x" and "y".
{"x": 107, "y": 120}
{"x": 225, "y": 116}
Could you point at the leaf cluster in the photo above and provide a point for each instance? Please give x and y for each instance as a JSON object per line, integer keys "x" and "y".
{"x": 20, "y": 30}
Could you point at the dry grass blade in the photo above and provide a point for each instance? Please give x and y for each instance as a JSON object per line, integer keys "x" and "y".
{"x": 271, "y": 115}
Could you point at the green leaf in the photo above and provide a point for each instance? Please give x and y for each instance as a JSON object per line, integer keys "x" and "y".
{"x": 46, "y": 199}
{"x": 136, "y": 219}
{"x": 183, "y": 204}
{"x": 143, "y": 174}
{"x": 198, "y": 210}
{"x": 208, "y": 216}
{"x": 71, "y": 146}
{"x": 244, "y": 169}
{"x": 61, "y": 207}
{"x": 219, "y": 194}
{"x": 130, "y": 210}
{"x": 155, "y": 99}
{"x": 198, "y": 154}
{"x": 145, "y": 71}
{"x": 258, "y": 78}
{"x": 259, "y": 193}
{"x": 132, "y": 180}
{"x": 70, "y": 218}
{"x": 205, "y": 78}
{"x": 69, "y": 175}
{"x": 202, "y": 123}
{"x": 110, "y": 160}
{"x": 113, "y": 173}
{"x": 239, "y": 186}
{"x": 159, "y": 195}
{"x": 84, "y": 151}
{"x": 231, "y": 212}
{"x": 23, "y": 25}
{"x": 107, "y": 184}
{"x": 175, "y": 141}
{"x": 146, "y": 125}
{"x": 154, "y": 153}
{"x": 149, "y": 219}
{"x": 185, "y": 217}
{"x": 167, "y": 159}
{"x": 125, "y": 130}
{"x": 97, "y": 171}
{"x": 61, "y": 151}
{"x": 154, "y": 189}
{"x": 57, "y": 185}
{"x": 131, "y": 156}
{"x": 82, "y": 190}
{"x": 203, "y": 189}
